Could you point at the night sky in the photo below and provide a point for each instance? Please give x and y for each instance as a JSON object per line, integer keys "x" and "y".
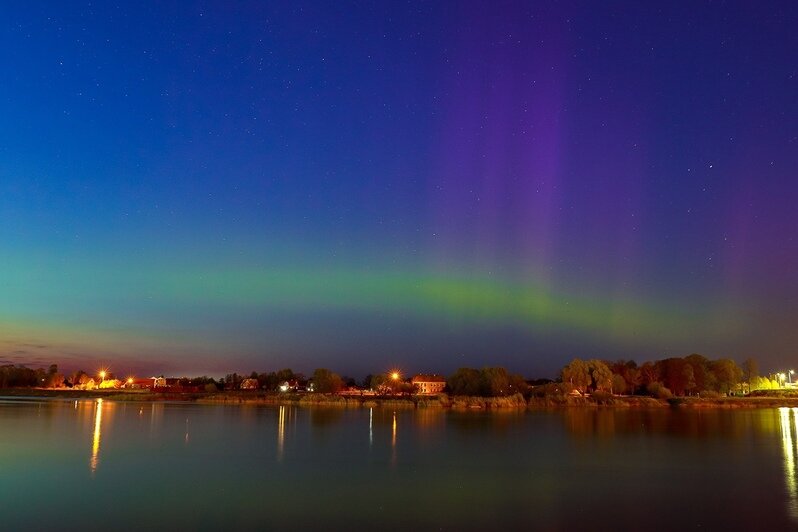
{"x": 229, "y": 186}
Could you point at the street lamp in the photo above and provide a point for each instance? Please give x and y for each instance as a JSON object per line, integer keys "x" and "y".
{"x": 789, "y": 375}
{"x": 782, "y": 378}
{"x": 102, "y": 374}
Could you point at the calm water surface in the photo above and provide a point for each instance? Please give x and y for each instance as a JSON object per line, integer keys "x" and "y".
{"x": 93, "y": 464}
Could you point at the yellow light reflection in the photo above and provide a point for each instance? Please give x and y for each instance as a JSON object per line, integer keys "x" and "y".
{"x": 393, "y": 437}
{"x": 393, "y": 442}
{"x": 280, "y": 432}
{"x": 95, "y": 445}
{"x": 789, "y": 428}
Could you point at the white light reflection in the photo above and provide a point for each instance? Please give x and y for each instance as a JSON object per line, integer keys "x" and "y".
{"x": 280, "y": 433}
{"x": 371, "y": 426}
{"x": 789, "y": 431}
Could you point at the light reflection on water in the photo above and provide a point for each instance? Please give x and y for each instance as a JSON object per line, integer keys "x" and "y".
{"x": 95, "y": 443}
{"x": 452, "y": 470}
{"x": 393, "y": 440}
{"x": 280, "y": 432}
{"x": 789, "y": 433}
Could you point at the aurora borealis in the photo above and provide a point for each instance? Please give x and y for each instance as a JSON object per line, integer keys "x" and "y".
{"x": 211, "y": 187}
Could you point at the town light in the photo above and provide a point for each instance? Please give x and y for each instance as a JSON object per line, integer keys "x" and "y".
{"x": 102, "y": 374}
{"x": 395, "y": 375}
{"x": 130, "y": 380}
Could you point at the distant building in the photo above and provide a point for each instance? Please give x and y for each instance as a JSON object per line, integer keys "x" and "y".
{"x": 249, "y": 384}
{"x": 174, "y": 385}
{"x": 291, "y": 386}
{"x": 140, "y": 384}
{"x": 428, "y": 384}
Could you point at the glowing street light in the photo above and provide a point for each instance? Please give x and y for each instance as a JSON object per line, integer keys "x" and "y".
{"x": 789, "y": 375}
{"x": 129, "y": 381}
{"x": 102, "y": 374}
{"x": 782, "y": 378}
{"x": 395, "y": 375}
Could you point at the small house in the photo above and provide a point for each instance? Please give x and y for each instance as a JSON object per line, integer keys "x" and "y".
{"x": 249, "y": 384}
{"x": 428, "y": 384}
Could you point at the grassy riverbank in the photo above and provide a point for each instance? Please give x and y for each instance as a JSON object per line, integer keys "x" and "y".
{"x": 264, "y": 398}
{"x": 514, "y": 402}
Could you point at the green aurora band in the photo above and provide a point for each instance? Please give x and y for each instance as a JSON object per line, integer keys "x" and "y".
{"x": 117, "y": 309}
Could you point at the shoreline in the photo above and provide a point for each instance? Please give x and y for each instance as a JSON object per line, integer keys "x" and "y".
{"x": 442, "y": 401}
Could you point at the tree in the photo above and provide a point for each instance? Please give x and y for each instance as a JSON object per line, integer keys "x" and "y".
{"x": 518, "y": 385}
{"x": 577, "y": 374}
{"x": 633, "y": 378}
{"x": 601, "y": 375}
{"x": 649, "y": 373}
{"x": 688, "y": 377}
{"x": 727, "y": 374}
{"x": 325, "y": 381}
{"x": 704, "y": 380}
{"x": 750, "y": 372}
{"x": 378, "y": 382}
{"x": 233, "y": 381}
{"x": 286, "y": 375}
{"x": 465, "y": 381}
{"x": 677, "y": 375}
{"x": 54, "y": 380}
{"x": 495, "y": 382}
{"x": 618, "y": 384}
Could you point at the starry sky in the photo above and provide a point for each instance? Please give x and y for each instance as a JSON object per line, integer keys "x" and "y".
{"x": 226, "y": 186}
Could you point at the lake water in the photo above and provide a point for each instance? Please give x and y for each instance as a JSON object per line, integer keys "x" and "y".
{"x": 93, "y": 464}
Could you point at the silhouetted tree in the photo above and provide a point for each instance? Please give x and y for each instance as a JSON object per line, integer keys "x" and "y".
{"x": 325, "y": 381}
{"x": 750, "y": 371}
{"x": 465, "y": 381}
{"x": 727, "y": 374}
{"x": 577, "y": 374}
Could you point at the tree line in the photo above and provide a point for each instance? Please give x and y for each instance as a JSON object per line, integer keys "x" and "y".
{"x": 680, "y": 376}
{"x": 691, "y": 375}
{"x": 20, "y": 376}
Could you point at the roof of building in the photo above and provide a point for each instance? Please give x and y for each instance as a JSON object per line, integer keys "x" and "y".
{"x": 428, "y": 378}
